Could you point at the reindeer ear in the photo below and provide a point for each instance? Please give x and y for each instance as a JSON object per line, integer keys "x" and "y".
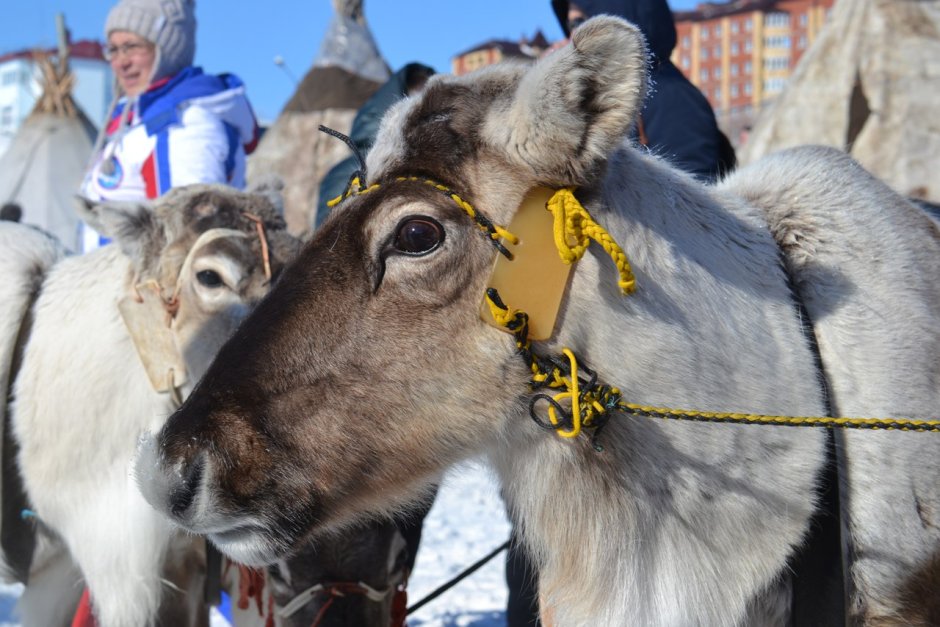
{"x": 574, "y": 106}
{"x": 132, "y": 226}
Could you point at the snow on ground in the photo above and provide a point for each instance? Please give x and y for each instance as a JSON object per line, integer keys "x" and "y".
{"x": 466, "y": 522}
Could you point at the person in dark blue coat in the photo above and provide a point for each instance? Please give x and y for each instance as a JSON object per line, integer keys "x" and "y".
{"x": 676, "y": 122}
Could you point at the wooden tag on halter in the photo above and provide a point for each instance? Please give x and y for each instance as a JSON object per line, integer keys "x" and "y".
{"x": 534, "y": 279}
{"x": 153, "y": 339}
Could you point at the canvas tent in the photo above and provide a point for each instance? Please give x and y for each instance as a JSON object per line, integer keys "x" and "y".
{"x": 347, "y": 70}
{"x": 869, "y": 85}
{"x": 43, "y": 167}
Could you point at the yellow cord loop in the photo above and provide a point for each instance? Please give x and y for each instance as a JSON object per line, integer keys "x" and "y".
{"x": 587, "y": 406}
{"x": 574, "y": 228}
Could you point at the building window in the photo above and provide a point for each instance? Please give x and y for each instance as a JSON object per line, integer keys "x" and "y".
{"x": 8, "y": 78}
{"x": 686, "y": 42}
{"x": 704, "y": 54}
{"x": 778, "y": 19}
{"x": 718, "y": 94}
{"x": 802, "y": 42}
{"x": 717, "y": 73}
{"x": 686, "y": 62}
{"x": 6, "y": 116}
{"x": 717, "y": 52}
{"x": 774, "y": 84}
{"x": 734, "y": 69}
{"x": 734, "y": 49}
{"x": 747, "y": 67}
{"x": 734, "y": 91}
{"x": 748, "y": 46}
{"x": 734, "y": 28}
{"x": 747, "y": 89}
{"x": 703, "y": 75}
{"x": 748, "y": 25}
{"x": 777, "y": 41}
{"x": 776, "y": 63}
{"x": 804, "y": 20}
{"x": 717, "y": 30}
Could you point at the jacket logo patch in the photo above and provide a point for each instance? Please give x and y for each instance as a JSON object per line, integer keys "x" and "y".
{"x": 110, "y": 174}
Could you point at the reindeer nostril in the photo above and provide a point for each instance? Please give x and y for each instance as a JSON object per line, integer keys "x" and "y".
{"x": 183, "y": 495}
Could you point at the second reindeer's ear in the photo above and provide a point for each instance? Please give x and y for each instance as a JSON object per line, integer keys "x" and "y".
{"x": 132, "y": 226}
{"x": 573, "y": 107}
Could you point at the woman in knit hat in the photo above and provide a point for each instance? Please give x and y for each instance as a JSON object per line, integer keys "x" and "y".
{"x": 170, "y": 124}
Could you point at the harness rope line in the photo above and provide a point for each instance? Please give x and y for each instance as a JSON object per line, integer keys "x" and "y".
{"x": 591, "y": 402}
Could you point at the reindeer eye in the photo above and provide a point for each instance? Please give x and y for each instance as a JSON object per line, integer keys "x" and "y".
{"x": 418, "y": 235}
{"x": 209, "y": 278}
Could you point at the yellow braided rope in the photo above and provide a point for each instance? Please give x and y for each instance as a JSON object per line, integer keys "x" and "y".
{"x": 588, "y": 405}
{"x": 355, "y": 182}
{"x": 573, "y": 222}
{"x": 888, "y": 424}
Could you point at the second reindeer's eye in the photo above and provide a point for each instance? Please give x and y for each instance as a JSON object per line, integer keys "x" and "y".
{"x": 210, "y": 278}
{"x": 418, "y": 235}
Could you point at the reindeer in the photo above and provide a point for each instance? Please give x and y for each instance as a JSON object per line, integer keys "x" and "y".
{"x": 370, "y": 367}
{"x": 115, "y": 338}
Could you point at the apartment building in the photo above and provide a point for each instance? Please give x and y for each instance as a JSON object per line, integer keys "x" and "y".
{"x": 741, "y": 53}
{"x": 496, "y": 50}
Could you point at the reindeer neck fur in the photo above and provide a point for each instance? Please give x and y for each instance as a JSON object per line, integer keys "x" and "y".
{"x": 667, "y": 508}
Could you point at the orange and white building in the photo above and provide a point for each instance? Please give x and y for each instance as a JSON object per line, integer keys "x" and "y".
{"x": 741, "y": 53}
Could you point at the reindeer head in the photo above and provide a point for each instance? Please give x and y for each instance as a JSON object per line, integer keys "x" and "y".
{"x": 201, "y": 256}
{"x": 367, "y": 369}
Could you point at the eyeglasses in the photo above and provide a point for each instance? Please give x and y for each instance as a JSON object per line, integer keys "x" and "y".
{"x": 575, "y": 22}
{"x": 131, "y": 49}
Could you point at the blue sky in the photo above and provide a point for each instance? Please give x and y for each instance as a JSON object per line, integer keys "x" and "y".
{"x": 244, "y": 36}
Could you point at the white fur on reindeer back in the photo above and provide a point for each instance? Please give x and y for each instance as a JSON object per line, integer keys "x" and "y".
{"x": 867, "y": 264}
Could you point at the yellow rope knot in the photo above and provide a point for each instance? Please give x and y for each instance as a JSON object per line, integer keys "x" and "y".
{"x": 587, "y": 406}
{"x": 574, "y": 228}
